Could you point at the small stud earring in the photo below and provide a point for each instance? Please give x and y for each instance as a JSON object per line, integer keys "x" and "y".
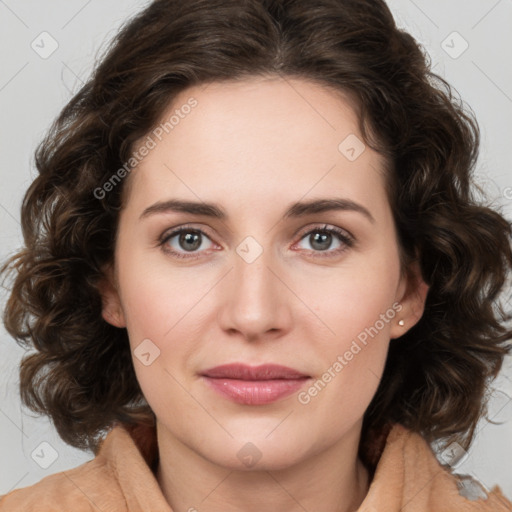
{"x": 401, "y": 323}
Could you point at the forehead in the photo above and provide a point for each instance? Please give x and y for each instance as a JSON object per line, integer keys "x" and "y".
{"x": 257, "y": 139}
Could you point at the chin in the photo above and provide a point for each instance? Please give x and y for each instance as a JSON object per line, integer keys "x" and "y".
{"x": 258, "y": 452}
{"x": 249, "y": 456}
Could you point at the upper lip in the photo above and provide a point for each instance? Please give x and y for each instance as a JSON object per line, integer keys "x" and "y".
{"x": 242, "y": 371}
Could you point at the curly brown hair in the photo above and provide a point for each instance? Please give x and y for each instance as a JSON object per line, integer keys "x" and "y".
{"x": 81, "y": 372}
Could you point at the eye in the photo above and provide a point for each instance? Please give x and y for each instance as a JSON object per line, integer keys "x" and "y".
{"x": 187, "y": 242}
{"x": 184, "y": 240}
{"x": 321, "y": 240}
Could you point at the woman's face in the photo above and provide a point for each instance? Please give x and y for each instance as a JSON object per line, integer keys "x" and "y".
{"x": 254, "y": 279}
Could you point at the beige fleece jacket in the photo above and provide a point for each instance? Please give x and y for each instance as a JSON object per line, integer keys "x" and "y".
{"x": 121, "y": 477}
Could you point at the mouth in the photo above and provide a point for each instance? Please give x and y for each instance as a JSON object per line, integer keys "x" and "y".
{"x": 254, "y": 385}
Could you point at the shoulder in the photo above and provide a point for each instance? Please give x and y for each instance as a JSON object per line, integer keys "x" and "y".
{"x": 76, "y": 490}
{"x": 432, "y": 485}
{"x": 120, "y": 478}
{"x": 91, "y": 486}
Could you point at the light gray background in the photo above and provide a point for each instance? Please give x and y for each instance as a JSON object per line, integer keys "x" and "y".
{"x": 34, "y": 89}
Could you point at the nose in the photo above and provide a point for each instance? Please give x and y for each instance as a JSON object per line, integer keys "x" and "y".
{"x": 256, "y": 302}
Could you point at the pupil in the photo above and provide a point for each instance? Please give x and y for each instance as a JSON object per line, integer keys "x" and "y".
{"x": 190, "y": 238}
{"x": 319, "y": 240}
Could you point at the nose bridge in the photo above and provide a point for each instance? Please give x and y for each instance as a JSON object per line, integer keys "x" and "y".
{"x": 256, "y": 302}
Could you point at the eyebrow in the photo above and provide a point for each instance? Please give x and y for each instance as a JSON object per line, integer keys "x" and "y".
{"x": 296, "y": 210}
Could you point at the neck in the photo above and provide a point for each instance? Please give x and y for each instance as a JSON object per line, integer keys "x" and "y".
{"x": 334, "y": 480}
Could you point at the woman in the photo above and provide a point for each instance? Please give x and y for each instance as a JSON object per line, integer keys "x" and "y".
{"x": 255, "y": 261}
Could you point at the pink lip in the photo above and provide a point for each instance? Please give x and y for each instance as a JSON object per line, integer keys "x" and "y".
{"x": 254, "y": 385}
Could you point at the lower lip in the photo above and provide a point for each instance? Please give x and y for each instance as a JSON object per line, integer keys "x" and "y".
{"x": 255, "y": 392}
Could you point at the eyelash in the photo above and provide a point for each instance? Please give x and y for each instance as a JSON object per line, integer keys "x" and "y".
{"x": 346, "y": 239}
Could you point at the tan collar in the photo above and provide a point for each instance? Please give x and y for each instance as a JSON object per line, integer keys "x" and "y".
{"x": 121, "y": 478}
{"x": 407, "y": 476}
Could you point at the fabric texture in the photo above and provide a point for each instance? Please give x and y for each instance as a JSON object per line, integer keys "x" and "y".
{"x": 406, "y": 477}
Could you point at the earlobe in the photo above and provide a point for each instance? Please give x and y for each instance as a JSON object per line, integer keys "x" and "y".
{"x": 412, "y": 301}
{"x": 111, "y": 311}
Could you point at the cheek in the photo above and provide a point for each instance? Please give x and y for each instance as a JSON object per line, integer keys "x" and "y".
{"x": 358, "y": 305}
{"x": 351, "y": 361}
{"x": 154, "y": 297}
{"x": 161, "y": 305}
{"x": 352, "y": 299}
{"x": 158, "y": 307}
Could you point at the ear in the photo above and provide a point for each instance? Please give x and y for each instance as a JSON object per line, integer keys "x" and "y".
{"x": 412, "y": 295}
{"x": 112, "y": 311}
